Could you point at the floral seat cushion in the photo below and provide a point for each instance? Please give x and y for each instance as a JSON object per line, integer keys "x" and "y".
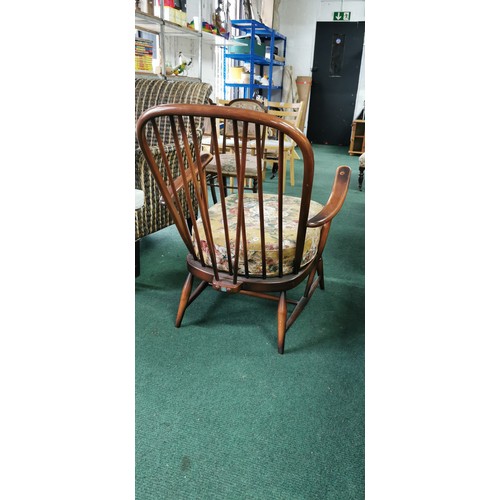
{"x": 291, "y": 207}
{"x": 228, "y": 165}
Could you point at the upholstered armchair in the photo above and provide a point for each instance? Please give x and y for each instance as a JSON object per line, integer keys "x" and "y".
{"x": 154, "y": 214}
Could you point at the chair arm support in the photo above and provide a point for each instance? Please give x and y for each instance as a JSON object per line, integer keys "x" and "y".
{"x": 336, "y": 199}
{"x": 206, "y": 158}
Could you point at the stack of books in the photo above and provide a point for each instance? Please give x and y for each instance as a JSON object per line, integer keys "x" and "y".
{"x": 143, "y": 54}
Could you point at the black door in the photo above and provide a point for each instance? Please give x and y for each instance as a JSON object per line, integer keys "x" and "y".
{"x": 335, "y": 74}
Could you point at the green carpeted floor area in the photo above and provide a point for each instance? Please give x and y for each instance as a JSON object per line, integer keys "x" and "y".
{"x": 219, "y": 413}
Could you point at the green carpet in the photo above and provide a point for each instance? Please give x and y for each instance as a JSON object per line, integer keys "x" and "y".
{"x": 219, "y": 413}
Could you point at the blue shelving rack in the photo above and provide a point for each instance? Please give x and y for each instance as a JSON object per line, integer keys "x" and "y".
{"x": 269, "y": 37}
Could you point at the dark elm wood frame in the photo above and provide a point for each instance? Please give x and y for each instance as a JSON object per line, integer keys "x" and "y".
{"x": 181, "y": 119}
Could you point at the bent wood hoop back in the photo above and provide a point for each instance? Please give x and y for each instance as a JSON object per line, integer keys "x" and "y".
{"x": 259, "y": 243}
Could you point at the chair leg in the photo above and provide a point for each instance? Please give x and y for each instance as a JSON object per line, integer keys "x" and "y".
{"x": 282, "y": 322}
{"x": 183, "y": 303}
{"x": 226, "y": 191}
{"x": 320, "y": 274}
{"x": 361, "y": 177}
{"x": 284, "y": 173}
{"x": 212, "y": 188}
{"x": 274, "y": 168}
{"x": 292, "y": 173}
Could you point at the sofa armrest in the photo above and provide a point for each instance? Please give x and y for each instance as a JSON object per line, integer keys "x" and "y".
{"x": 148, "y": 93}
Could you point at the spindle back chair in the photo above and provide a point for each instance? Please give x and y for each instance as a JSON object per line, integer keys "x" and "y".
{"x": 292, "y": 112}
{"x": 226, "y": 145}
{"x": 262, "y": 244}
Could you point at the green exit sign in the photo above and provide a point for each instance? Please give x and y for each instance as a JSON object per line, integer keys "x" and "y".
{"x": 342, "y": 16}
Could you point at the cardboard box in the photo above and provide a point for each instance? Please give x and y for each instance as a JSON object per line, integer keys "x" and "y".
{"x": 172, "y": 15}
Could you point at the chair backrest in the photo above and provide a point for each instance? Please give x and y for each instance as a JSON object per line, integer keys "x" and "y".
{"x": 243, "y": 103}
{"x": 246, "y": 237}
{"x": 290, "y": 111}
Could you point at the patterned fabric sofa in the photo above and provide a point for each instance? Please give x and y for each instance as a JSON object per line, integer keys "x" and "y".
{"x": 153, "y": 216}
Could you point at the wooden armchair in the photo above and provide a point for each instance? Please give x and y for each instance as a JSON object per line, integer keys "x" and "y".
{"x": 262, "y": 244}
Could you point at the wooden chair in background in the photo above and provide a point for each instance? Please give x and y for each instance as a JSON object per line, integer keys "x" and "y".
{"x": 291, "y": 112}
{"x": 226, "y": 143}
{"x": 262, "y": 244}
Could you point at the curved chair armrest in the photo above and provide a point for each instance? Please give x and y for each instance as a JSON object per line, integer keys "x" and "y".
{"x": 206, "y": 158}
{"x": 336, "y": 199}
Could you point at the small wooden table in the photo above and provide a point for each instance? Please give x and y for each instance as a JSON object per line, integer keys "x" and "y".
{"x": 357, "y": 144}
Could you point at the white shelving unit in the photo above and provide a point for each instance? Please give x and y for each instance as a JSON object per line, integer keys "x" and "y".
{"x": 166, "y": 32}
{"x": 173, "y": 38}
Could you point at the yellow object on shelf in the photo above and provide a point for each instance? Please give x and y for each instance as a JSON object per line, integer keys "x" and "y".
{"x": 235, "y": 74}
{"x": 174, "y": 16}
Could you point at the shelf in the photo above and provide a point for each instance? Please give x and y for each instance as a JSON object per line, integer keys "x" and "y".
{"x": 253, "y": 86}
{"x": 145, "y": 73}
{"x": 147, "y": 22}
{"x": 175, "y": 29}
{"x": 256, "y": 59}
{"x": 180, "y": 78}
{"x": 166, "y": 30}
{"x": 250, "y": 25}
{"x": 259, "y": 65}
{"x": 218, "y": 40}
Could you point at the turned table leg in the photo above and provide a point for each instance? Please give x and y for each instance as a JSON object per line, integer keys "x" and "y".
{"x": 361, "y": 171}
{"x": 361, "y": 177}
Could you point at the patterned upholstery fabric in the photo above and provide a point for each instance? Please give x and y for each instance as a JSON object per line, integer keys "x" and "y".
{"x": 291, "y": 206}
{"x": 154, "y": 216}
{"x": 362, "y": 161}
{"x": 228, "y": 165}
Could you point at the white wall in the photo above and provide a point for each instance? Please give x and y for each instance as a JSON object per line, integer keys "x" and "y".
{"x": 298, "y": 23}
